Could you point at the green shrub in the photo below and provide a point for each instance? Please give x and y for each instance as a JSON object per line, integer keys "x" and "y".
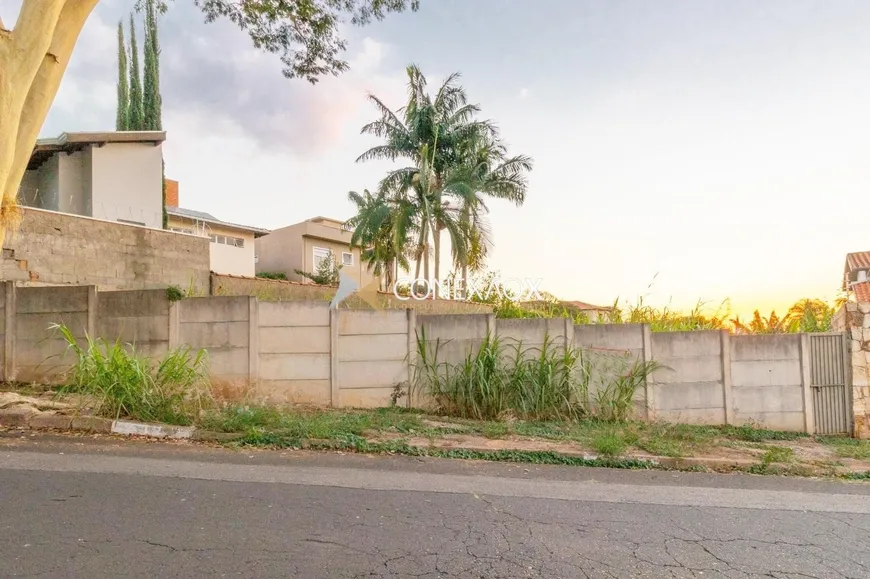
{"x": 122, "y": 384}
{"x": 272, "y": 275}
{"x": 499, "y": 380}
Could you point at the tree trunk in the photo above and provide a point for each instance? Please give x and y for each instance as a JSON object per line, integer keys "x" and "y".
{"x": 465, "y": 280}
{"x": 437, "y": 241}
{"x": 33, "y": 58}
{"x": 421, "y": 247}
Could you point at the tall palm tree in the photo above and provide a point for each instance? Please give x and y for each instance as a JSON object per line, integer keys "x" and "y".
{"x": 382, "y": 228}
{"x": 453, "y": 155}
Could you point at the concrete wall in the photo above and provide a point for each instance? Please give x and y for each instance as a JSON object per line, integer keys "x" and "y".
{"x": 295, "y": 345}
{"x": 690, "y": 387}
{"x": 227, "y": 328}
{"x": 766, "y": 381}
{"x": 56, "y": 248}
{"x": 371, "y": 354}
{"x": 127, "y": 183}
{"x": 137, "y": 317}
{"x": 279, "y": 290}
{"x": 302, "y": 352}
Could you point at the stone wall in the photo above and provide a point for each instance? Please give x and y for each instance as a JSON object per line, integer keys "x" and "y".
{"x": 60, "y": 249}
{"x": 855, "y": 317}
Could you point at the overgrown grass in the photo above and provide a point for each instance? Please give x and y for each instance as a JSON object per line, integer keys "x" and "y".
{"x": 314, "y": 424}
{"x": 848, "y": 447}
{"x": 780, "y": 454}
{"x": 500, "y": 379}
{"x": 122, "y": 384}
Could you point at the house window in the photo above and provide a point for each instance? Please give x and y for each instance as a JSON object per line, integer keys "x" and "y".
{"x": 346, "y": 258}
{"x": 320, "y": 253}
{"x": 228, "y": 240}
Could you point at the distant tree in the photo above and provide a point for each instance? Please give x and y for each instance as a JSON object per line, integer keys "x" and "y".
{"x": 327, "y": 272}
{"x": 136, "y": 113}
{"x": 151, "y": 100}
{"x": 122, "y": 117}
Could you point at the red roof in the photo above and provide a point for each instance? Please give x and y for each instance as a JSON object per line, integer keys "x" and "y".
{"x": 857, "y": 260}
{"x": 862, "y": 291}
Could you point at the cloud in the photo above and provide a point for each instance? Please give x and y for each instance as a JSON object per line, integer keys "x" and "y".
{"x": 524, "y": 93}
{"x": 213, "y": 77}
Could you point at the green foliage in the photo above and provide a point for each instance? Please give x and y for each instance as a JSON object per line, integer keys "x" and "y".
{"x": 327, "y": 271}
{"x": 122, "y": 118}
{"x": 136, "y": 114}
{"x": 777, "y": 454}
{"x": 304, "y": 32}
{"x": 152, "y": 103}
{"x": 610, "y": 443}
{"x": 456, "y": 161}
{"x": 848, "y": 447}
{"x": 122, "y": 384}
{"x": 548, "y": 383}
{"x": 174, "y": 293}
{"x": 272, "y": 275}
{"x": 806, "y": 315}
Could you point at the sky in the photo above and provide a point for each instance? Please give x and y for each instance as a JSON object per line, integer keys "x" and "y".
{"x": 685, "y": 150}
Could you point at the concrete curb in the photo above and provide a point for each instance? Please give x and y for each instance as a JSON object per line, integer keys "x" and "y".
{"x": 27, "y": 418}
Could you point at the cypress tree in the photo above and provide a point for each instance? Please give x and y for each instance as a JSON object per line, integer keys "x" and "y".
{"x": 136, "y": 112}
{"x": 122, "y": 117}
{"x": 151, "y": 95}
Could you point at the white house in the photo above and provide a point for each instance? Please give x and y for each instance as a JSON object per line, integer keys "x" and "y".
{"x": 232, "y": 250}
{"x": 114, "y": 176}
{"x": 118, "y": 176}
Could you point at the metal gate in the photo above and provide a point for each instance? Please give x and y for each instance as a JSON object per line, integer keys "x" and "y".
{"x": 828, "y": 380}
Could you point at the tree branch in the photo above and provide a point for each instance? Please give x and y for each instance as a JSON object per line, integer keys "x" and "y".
{"x": 33, "y": 34}
{"x": 53, "y": 62}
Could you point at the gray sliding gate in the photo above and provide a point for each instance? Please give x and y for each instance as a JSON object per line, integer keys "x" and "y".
{"x": 829, "y": 382}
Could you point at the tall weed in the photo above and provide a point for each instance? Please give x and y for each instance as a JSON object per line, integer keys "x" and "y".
{"x": 496, "y": 380}
{"x": 122, "y": 384}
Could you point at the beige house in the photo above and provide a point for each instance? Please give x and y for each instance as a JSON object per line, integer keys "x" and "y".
{"x": 232, "y": 248}
{"x": 113, "y": 176}
{"x": 302, "y": 246}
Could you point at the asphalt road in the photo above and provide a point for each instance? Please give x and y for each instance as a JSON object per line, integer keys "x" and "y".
{"x": 96, "y": 508}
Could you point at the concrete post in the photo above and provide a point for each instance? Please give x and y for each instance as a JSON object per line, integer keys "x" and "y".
{"x": 174, "y": 324}
{"x": 253, "y": 341}
{"x": 806, "y": 384}
{"x": 92, "y": 312}
{"x": 9, "y": 332}
{"x": 490, "y": 325}
{"x": 569, "y": 334}
{"x": 334, "y": 384}
{"x": 648, "y": 384}
{"x": 727, "y": 395}
{"x": 412, "y": 351}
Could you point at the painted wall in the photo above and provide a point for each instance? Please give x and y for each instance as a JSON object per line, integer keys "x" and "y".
{"x": 290, "y": 248}
{"x": 118, "y": 181}
{"x": 73, "y": 195}
{"x": 127, "y": 183}
{"x": 224, "y": 256}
